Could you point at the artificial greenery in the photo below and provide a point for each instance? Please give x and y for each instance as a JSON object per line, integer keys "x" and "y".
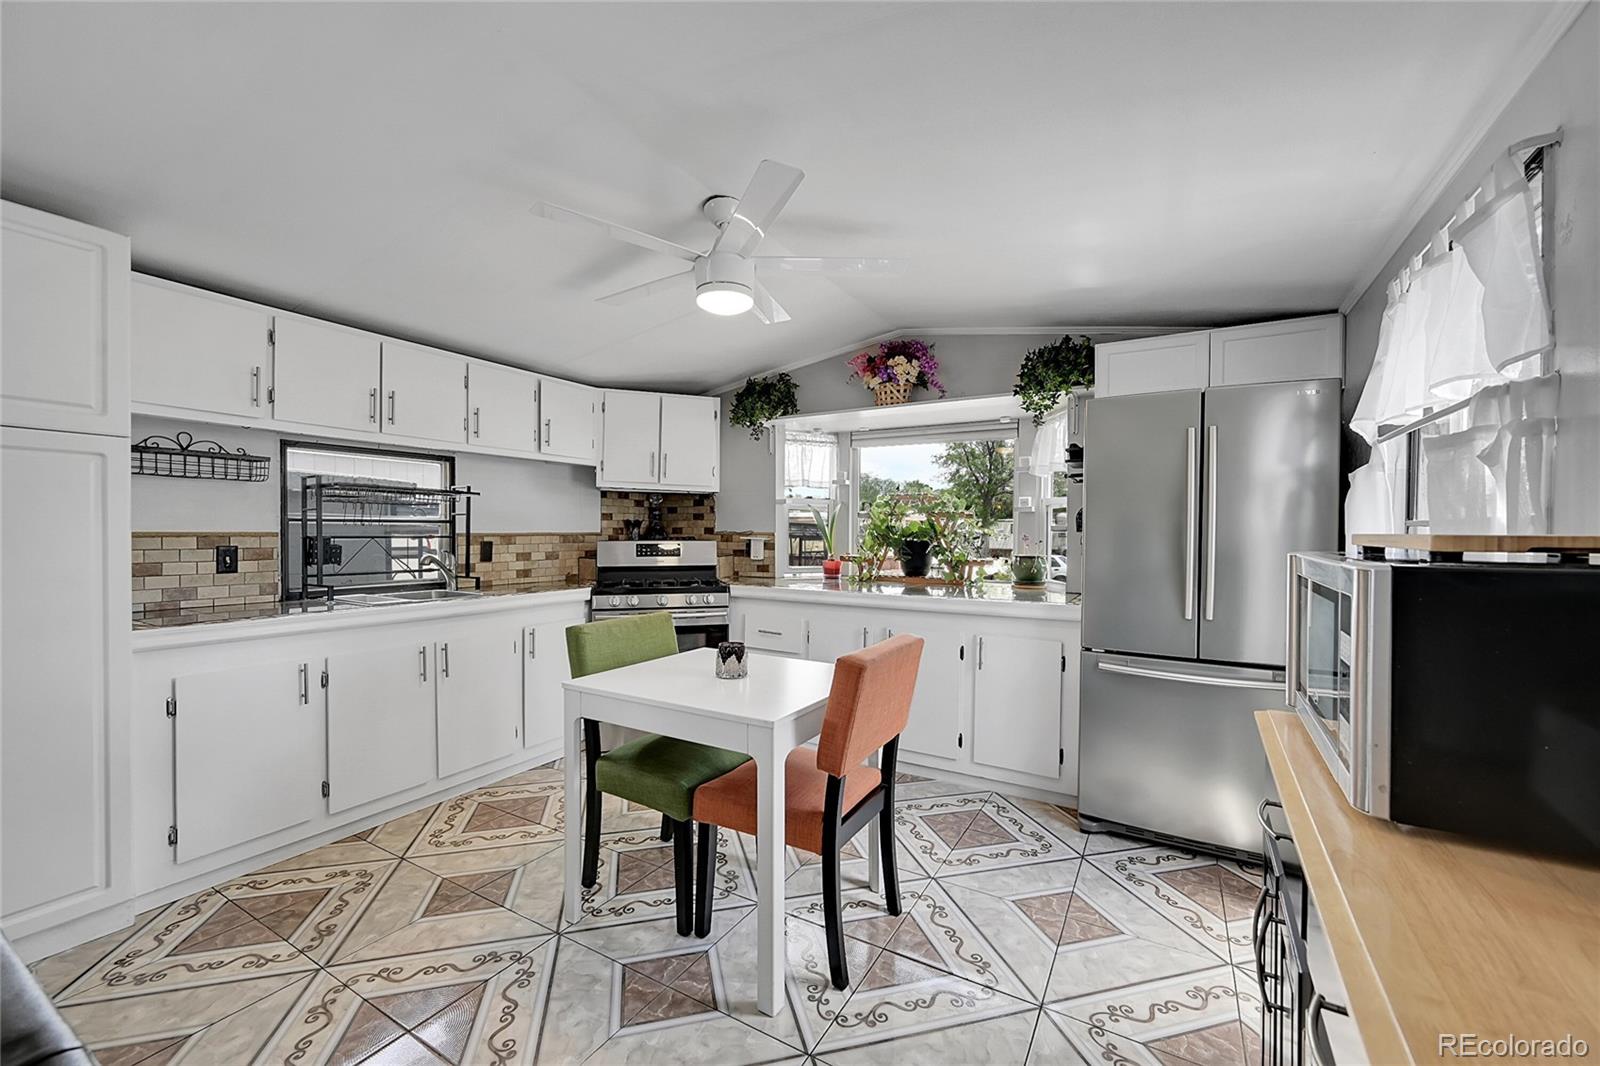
{"x": 1049, "y": 372}
{"x": 761, "y": 400}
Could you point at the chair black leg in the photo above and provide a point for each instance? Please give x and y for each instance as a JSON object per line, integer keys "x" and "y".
{"x": 891, "y": 880}
{"x": 705, "y": 888}
{"x": 683, "y": 874}
{"x": 832, "y": 904}
{"x": 666, "y": 828}
{"x": 591, "y": 806}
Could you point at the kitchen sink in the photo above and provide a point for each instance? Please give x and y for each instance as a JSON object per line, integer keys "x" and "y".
{"x": 382, "y": 599}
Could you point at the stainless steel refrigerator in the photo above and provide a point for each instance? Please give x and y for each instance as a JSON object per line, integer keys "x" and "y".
{"x": 1200, "y": 496}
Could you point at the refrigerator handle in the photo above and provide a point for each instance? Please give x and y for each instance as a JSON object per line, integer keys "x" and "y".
{"x": 1191, "y": 524}
{"x": 1191, "y": 679}
{"x": 1211, "y": 521}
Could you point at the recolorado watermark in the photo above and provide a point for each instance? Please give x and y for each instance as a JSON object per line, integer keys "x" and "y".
{"x": 1477, "y": 1046}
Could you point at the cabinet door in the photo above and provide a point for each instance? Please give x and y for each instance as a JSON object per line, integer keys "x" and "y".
{"x": 569, "y": 419}
{"x": 424, "y": 393}
{"x": 480, "y": 695}
{"x": 64, "y": 840}
{"x": 199, "y": 352}
{"x": 1016, "y": 705}
{"x": 830, "y": 635}
{"x": 248, "y": 753}
{"x": 935, "y": 724}
{"x": 630, "y": 440}
{"x": 381, "y": 733}
{"x": 773, "y": 627}
{"x": 325, "y": 375}
{"x": 1298, "y": 349}
{"x": 544, "y": 669}
{"x": 503, "y": 408}
{"x": 64, "y": 334}
{"x": 689, "y": 441}
{"x": 1152, "y": 364}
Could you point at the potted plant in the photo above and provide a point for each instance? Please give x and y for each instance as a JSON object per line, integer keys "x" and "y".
{"x": 762, "y": 399}
{"x": 1027, "y": 568}
{"x": 1050, "y": 372}
{"x": 894, "y": 368}
{"x": 915, "y": 548}
{"x": 830, "y": 565}
{"x": 880, "y": 535}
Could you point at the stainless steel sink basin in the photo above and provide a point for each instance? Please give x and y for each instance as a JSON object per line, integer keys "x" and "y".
{"x": 382, "y": 599}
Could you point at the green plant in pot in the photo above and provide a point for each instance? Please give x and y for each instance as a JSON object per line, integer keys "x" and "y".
{"x": 880, "y": 535}
{"x": 1048, "y": 373}
{"x": 826, "y": 526}
{"x": 918, "y": 535}
{"x": 1027, "y": 568}
{"x": 762, "y": 399}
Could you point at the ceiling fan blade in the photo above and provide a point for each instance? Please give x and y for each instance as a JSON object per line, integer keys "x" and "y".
{"x": 766, "y": 308}
{"x": 830, "y": 264}
{"x": 649, "y": 288}
{"x": 557, "y": 213}
{"x": 765, "y": 196}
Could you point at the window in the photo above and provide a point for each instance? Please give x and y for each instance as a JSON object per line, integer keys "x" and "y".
{"x": 973, "y": 470}
{"x": 368, "y": 548}
{"x": 811, "y": 485}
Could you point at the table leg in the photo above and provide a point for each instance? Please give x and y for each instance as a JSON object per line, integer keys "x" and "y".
{"x": 771, "y": 956}
{"x": 571, "y": 764}
{"x": 874, "y": 852}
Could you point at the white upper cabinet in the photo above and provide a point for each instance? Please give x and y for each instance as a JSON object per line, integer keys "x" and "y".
{"x": 630, "y": 440}
{"x": 690, "y": 441}
{"x": 1298, "y": 349}
{"x": 650, "y": 440}
{"x": 424, "y": 393}
{"x": 1152, "y": 364}
{"x": 502, "y": 408}
{"x": 569, "y": 420}
{"x": 325, "y": 375}
{"x": 64, "y": 330}
{"x": 197, "y": 351}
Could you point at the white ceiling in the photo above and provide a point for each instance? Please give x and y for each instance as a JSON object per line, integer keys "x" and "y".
{"x": 1038, "y": 164}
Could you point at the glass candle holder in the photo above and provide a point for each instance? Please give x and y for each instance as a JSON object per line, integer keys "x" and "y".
{"x": 730, "y": 660}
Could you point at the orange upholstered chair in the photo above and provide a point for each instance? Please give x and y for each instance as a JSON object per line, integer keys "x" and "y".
{"x": 830, "y": 793}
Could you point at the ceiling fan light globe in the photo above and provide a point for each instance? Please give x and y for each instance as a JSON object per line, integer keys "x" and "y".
{"x": 724, "y": 298}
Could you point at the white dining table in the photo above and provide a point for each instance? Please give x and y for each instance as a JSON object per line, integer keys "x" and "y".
{"x": 767, "y": 714}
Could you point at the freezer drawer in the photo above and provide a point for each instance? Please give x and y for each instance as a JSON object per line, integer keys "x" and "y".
{"x": 1172, "y": 747}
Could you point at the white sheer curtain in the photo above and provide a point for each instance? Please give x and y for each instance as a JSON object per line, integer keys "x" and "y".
{"x": 810, "y": 464}
{"x": 1463, "y": 325}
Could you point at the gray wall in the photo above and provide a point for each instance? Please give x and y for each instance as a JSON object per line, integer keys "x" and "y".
{"x": 519, "y": 495}
{"x": 1563, "y": 91}
{"x": 969, "y": 364}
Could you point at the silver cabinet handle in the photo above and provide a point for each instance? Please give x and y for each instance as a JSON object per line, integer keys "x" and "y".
{"x": 1172, "y": 675}
{"x": 255, "y": 386}
{"x": 305, "y": 684}
{"x": 477, "y": 421}
{"x": 444, "y": 659}
{"x": 769, "y": 632}
{"x": 863, "y": 636}
{"x": 547, "y": 433}
{"x": 372, "y": 404}
{"x": 1191, "y": 523}
{"x": 422, "y": 658}
{"x": 1211, "y": 521}
{"x": 391, "y": 407}
{"x": 533, "y": 643}
{"x": 652, "y": 464}
{"x": 980, "y": 653}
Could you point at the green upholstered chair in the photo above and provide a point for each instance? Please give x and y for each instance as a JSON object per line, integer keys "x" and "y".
{"x": 658, "y": 772}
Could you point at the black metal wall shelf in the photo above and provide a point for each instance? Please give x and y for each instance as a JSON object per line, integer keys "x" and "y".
{"x": 184, "y": 457}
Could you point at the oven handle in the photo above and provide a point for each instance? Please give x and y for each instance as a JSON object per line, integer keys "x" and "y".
{"x": 699, "y": 616}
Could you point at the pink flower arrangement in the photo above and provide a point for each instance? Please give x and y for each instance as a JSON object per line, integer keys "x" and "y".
{"x": 904, "y": 361}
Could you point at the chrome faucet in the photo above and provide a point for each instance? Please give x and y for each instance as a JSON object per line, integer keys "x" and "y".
{"x": 444, "y": 560}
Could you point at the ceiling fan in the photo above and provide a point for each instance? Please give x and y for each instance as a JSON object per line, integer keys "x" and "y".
{"x": 724, "y": 278}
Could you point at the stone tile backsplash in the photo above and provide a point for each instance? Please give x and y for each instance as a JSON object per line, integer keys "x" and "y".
{"x": 175, "y": 572}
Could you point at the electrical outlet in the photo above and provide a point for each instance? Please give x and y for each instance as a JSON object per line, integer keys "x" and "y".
{"x": 227, "y": 559}
{"x": 486, "y": 551}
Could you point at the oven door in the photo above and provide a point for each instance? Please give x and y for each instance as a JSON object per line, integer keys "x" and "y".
{"x": 700, "y": 629}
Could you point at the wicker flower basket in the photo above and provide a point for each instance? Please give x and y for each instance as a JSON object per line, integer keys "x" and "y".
{"x": 889, "y": 393}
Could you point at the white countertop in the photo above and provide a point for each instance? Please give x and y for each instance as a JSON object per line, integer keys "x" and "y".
{"x": 294, "y": 623}
{"x": 996, "y": 598}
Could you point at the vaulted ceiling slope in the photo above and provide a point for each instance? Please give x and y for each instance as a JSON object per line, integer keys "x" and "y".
{"x": 1037, "y": 164}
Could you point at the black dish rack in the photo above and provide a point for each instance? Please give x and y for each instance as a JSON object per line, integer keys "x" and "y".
{"x": 370, "y": 535}
{"x": 183, "y": 456}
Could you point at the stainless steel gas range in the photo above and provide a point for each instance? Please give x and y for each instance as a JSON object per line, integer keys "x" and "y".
{"x": 676, "y": 576}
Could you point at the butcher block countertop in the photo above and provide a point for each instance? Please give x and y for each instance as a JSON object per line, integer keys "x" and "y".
{"x": 1435, "y": 934}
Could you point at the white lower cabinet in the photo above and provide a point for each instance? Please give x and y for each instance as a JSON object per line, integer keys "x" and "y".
{"x": 545, "y": 668}
{"x": 935, "y": 724}
{"x": 380, "y": 723}
{"x": 247, "y": 748}
{"x": 479, "y": 695}
{"x": 830, "y": 634}
{"x": 1017, "y": 685}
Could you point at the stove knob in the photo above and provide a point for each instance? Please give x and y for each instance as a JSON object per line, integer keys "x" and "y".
{"x": 633, "y": 601}
{"x": 692, "y": 599}
{"x": 616, "y": 601}
{"x": 661, "y": 601}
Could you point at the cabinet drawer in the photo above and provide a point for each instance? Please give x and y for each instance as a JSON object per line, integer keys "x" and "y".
{"x": 774, "y": 629}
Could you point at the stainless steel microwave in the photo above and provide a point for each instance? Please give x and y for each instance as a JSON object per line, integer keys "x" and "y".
{"x": 1454, "y": 695}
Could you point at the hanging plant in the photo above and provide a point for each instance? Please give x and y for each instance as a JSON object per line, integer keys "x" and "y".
{"x": 1050, "y": 372}
{"x": 761, "y": 400}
